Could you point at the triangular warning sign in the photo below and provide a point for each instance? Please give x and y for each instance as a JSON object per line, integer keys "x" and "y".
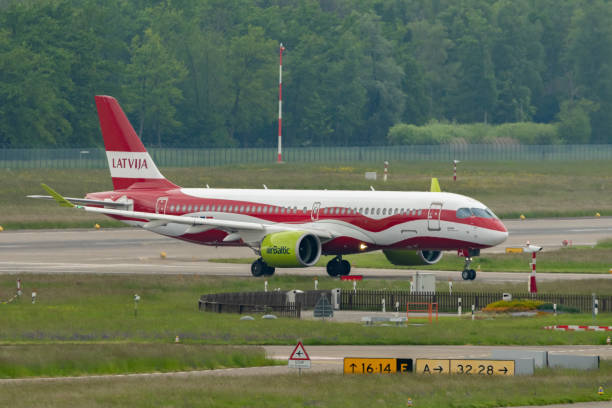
{"x": 299, "y": 353}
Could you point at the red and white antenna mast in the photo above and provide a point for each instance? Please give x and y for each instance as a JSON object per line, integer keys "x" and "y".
{"x": 280, "y": 102}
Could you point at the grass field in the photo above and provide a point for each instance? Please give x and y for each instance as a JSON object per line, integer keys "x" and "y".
{"x": 509, "y": 188}
{"x": 94, "y": 308}
{"x": 316, "y": 390}
{"x": 72, "y": 359}
{"x": 569, "y": 260}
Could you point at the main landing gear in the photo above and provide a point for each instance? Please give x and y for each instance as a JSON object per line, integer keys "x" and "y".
{"x": 468, "y": 274}
{"x": 260, "y": 268}
{"x": 338, "y": 267}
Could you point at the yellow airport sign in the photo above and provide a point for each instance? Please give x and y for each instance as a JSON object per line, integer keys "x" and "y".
{"x": 432, "y": 366}
{"x": 482, "y": 367}
{"x": 357, "y": 365}
{"x": 514, "y": 250}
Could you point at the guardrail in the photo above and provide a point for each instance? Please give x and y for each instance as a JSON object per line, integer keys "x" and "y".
{"x": 95, "y": 158}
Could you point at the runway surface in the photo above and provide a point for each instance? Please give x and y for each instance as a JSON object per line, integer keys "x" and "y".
{"x": 129, "y": 250}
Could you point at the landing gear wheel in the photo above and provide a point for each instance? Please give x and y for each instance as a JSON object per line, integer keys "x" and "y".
{"x": 338, "y": 267}
{"x": 259, "y": 268}
{"x": 465, "y": 274}
{"x": 346, "y": 267}
{"x": 334, "y": 267}
{"x": 472, "y": 274}
{"x": 268, "y": 271}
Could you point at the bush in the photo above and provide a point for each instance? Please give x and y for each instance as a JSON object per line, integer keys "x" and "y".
{"x": 436, "y": 133}
{"x": 528, "y": 133}
{"x": 518, "y": 305}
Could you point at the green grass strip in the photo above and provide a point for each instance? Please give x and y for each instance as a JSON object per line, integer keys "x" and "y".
{"x": 69, "y": 359}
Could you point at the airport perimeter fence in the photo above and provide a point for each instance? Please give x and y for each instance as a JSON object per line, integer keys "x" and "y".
{"x": 95, "y": 158}
{"x": 291, "y": 309}
{"x": 371, "y": 300}
{"x": 284, "y": 303}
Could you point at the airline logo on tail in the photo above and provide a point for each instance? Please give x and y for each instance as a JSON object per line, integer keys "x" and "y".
{"x": 132, "y": 165}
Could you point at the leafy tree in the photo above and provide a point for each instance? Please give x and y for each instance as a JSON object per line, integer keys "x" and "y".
{"x": 154, "y": 75}
{"x": 574, "y": 121}
{"x": 590, "y": 62}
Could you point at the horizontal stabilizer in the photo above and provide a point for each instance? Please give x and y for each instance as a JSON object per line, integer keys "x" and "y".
{"x": 83, "y": 201}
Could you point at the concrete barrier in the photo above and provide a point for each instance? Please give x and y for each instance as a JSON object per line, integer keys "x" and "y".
{"x": 540, "y": 357}
{"x": 572, "y": 361}
{"x": 524, "y": 366}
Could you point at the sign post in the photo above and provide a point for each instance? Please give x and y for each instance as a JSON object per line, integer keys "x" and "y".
{"x": 299, "y": 358}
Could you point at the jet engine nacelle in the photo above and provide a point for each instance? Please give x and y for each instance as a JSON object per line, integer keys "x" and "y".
{"x": 290, "y": 249}
{"x": 408, "y": 257}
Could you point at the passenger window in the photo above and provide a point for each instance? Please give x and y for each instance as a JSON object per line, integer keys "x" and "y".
{"x": 396, "y": 210}
{"x": 184, "y": 207}
{"x": 265, "y": 210}
{"x": 378, "y": 211}
{"x": 360, "y": 211}
{"x": 242, "y": 208}
{"x": 384, "y": 211}
{"x": 419, "y": 212}
{"x": 171, "y": 208}
{"x": 367, "y": 211}
{"x": 305, "y": 210}
{"x": 463, "y": 213}
{"x": 224, "y": 208}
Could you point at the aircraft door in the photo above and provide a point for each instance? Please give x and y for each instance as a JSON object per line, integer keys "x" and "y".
{"x": 433, "y": 216}
{"x": 314, "y": 215}
{"x": 160, "y": 205}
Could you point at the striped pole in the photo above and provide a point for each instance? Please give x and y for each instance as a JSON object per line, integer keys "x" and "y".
{"x": 386, "y": 172}
{"x": 280, "y": 101}
{"x": 455, "y": 169}
{"x": 532, "y": 279}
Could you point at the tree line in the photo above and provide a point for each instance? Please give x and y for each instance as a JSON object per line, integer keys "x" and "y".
{"x": 355, "y": 72}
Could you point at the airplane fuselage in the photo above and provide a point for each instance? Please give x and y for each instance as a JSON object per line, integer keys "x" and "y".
{"x": 358, "y": 220}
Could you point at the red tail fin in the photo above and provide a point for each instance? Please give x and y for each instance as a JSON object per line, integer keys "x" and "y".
{"x": 129, "y": 163}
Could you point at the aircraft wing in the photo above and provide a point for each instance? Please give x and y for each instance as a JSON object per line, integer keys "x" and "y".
{"x": 156, "y": 220}
{"x": 238, "y": 229}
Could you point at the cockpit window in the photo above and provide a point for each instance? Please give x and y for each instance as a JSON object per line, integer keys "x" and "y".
{"x": 482, "y": 213}
{"x": 464, "y": 213}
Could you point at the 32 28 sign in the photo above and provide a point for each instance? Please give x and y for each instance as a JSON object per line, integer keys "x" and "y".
{"x": 482, "y": 367}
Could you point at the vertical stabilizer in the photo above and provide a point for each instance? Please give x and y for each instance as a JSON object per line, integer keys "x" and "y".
{"x": 129, "y": 163}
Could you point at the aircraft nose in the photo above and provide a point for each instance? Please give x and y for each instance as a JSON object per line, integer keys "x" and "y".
{"x": 502, "y": 234}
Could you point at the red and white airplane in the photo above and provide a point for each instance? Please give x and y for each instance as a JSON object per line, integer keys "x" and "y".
{"x": 286, "y": 228}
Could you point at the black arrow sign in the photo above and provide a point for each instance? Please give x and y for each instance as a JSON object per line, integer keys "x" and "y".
{"x": 505, "y": 370}
{"x": 353, "y": 366}
{"x": 438, "y": 369}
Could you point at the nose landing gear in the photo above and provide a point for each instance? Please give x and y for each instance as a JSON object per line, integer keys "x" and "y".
{"x": 338, "y": 267}
{"x": 468, "y": 274}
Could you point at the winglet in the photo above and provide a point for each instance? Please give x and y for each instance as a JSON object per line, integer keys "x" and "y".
{"x": 435, "y": 186}
{"x": 56, "y": 196}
